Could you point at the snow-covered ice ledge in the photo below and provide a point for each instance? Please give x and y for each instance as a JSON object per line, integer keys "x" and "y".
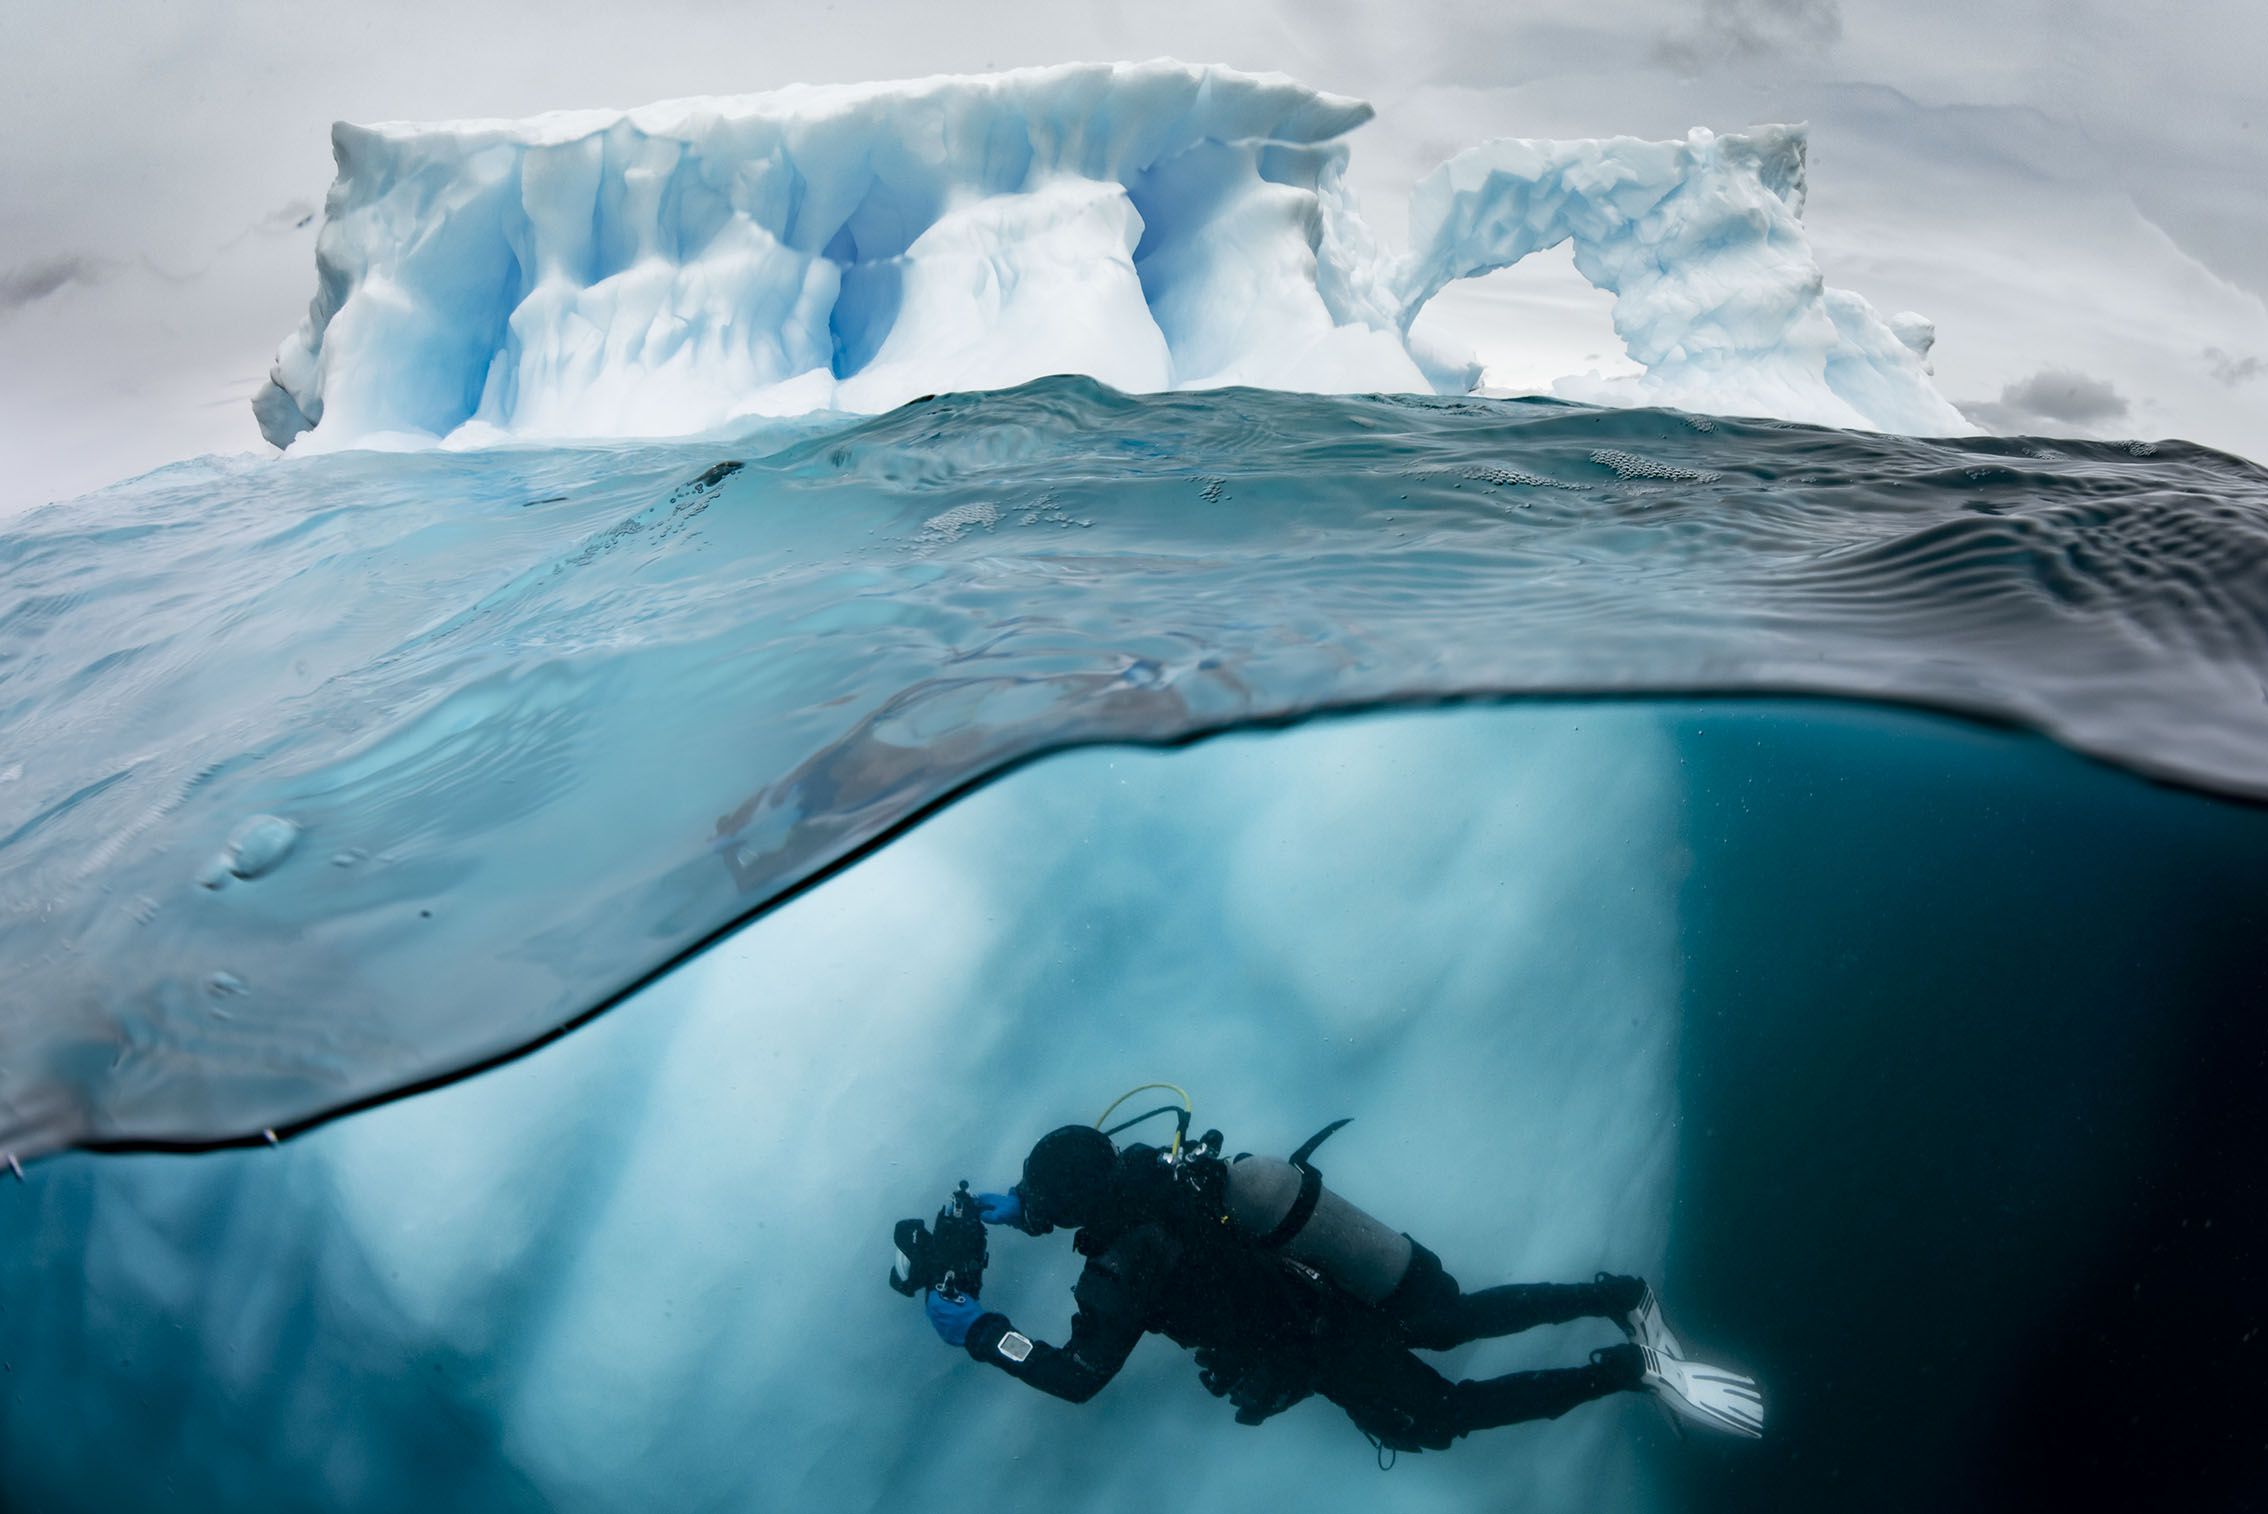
{"x": 1157, "y": 226}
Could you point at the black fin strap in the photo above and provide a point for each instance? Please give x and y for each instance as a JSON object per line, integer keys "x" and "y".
{"x": 1307, "y": 1147}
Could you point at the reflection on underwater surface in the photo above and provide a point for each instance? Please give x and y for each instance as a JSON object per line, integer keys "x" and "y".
{"x": 346, "y": 774}
{"x": 1917, "y": 1062}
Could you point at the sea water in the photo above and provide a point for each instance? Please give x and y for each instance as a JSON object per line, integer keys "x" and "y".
{"x": 1915, "y": 1059}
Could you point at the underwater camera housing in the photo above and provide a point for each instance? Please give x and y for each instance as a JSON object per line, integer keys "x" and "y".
{"x": 951, "y": 1259}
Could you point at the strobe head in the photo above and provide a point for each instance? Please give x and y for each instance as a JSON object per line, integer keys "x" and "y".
{"x": 951, "y": 1259}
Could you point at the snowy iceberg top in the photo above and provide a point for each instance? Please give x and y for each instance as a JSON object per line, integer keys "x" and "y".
{"x": 1222, "y": 101}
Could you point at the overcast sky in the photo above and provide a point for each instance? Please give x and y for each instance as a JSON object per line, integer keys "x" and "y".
{"x": 2077, "y": 192}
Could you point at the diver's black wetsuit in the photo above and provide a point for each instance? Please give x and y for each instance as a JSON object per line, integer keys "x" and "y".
{"x": 1255, "y": 1318}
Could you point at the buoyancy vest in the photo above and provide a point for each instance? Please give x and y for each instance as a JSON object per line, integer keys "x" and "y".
{"x": 1289, "y": 1264}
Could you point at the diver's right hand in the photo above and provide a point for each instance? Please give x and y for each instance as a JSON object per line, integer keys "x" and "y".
{"x": 1000, "y": 1209}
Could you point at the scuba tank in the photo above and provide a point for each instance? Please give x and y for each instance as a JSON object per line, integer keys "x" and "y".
{"x": 1283, "y": 1206}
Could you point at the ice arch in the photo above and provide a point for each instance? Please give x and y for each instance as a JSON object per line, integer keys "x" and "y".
{"x": 1530, "y": 325}
{"x": 1701, "y": 243}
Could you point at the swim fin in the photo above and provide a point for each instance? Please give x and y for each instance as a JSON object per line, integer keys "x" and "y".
{"x": 1643, "y": 1323}
{"x": 1706, "y": 1395}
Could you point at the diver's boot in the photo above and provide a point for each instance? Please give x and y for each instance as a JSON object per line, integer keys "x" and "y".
{"x": 1713, "y": 1396}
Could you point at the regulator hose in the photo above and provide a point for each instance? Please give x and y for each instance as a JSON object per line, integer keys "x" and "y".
{"x": 1182, "y": 1116}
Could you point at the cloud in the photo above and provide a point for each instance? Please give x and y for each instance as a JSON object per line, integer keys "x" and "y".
{"x": 1731, "y": 30}
{"x": 2052, "y": 397}
{"x": 36, "y": 280}
{"x": 2233, "y": 370}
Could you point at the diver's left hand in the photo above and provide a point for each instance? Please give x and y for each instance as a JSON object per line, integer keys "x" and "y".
{"x": 952, "y": 1315}
{"x": 1000, "y": 1209}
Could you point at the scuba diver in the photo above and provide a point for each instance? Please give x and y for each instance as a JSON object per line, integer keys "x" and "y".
{"x": 1284, "y": 1290}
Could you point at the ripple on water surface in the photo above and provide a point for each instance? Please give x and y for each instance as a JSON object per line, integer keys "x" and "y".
{"x": 574, "y": 711}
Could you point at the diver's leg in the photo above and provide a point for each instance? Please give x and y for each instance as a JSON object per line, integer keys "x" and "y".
{"x": 1435, "y": 1314}
{"x": 1392, "y": 1396}
{"x": 1519, "y": 1396}
{"x": 1404, "y": 1404}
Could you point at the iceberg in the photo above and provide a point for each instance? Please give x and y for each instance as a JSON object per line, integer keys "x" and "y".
{"x": 1156, "y": 226}
{"x": 665, "y": 270}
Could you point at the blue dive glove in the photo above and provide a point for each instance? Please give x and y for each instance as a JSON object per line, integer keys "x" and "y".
{"x": 1000, "y": 1209}
{"x": 952, "y": 1315}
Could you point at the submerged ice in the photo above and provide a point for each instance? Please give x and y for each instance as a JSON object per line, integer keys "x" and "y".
{"x": 1915, "y": 1062}
{"x": 666, "y": 270}
{"x": 647, "y": 1266}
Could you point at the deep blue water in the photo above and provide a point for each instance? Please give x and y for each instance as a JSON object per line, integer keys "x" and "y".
{"x": 1903, "y": 1025}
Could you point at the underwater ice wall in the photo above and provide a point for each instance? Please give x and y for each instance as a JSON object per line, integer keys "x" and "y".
{"x": 645, "y": 1267}
{"x": 1156, "y": 226}
{"x": 1603, "y": 984}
